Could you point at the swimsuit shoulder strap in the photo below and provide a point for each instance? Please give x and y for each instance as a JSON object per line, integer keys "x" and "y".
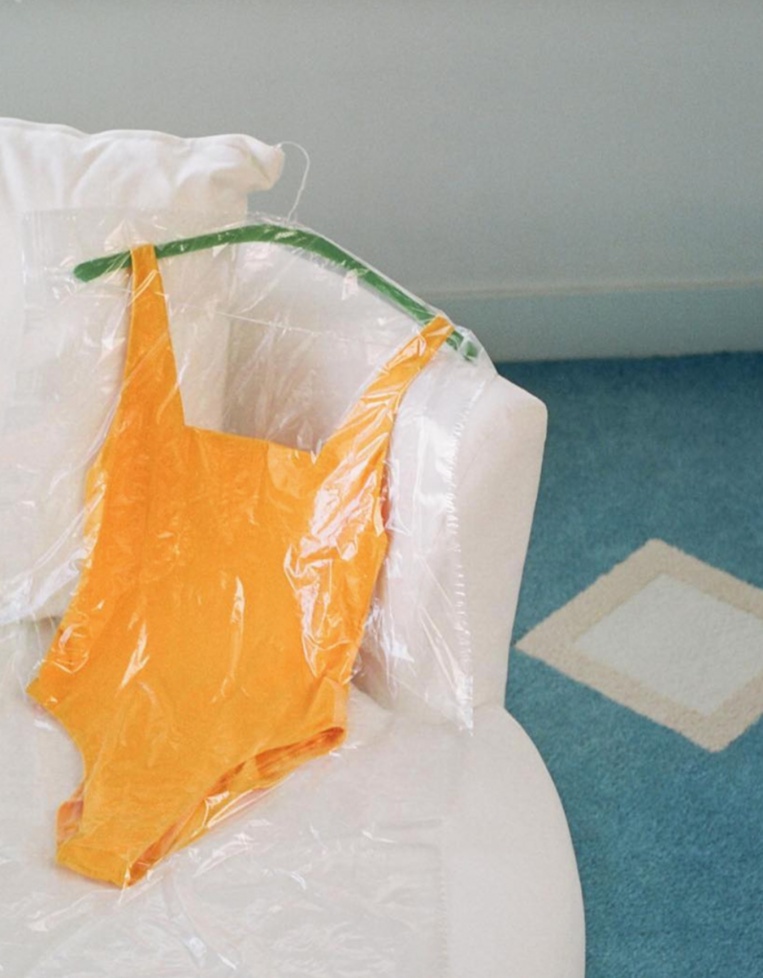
{"x": 150, "y": 380}
{"x": 374, "y": 413}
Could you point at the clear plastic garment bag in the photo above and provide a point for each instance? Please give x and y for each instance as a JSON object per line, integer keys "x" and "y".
{"x": 324, "y": 863}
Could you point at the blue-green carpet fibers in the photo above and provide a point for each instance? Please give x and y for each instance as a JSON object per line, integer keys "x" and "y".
{"x": 668, "y": 836}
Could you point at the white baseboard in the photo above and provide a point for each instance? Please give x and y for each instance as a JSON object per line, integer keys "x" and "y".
{"x": 622, "y": 323}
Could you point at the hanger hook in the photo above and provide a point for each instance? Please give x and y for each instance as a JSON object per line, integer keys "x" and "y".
{"x": 304, "y": 152}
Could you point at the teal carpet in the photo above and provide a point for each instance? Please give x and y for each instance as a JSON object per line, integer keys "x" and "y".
{"x": 669, "y": 837}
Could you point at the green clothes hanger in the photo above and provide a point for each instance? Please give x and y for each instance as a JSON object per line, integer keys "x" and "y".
{"x": 293, "y": 238}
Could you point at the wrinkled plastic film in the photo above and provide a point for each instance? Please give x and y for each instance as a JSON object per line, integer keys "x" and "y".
{"x": 270, "y": 343}
{"x": 66, "y": 391}
{"x": 329, "y": 865}
{"x": 337, "y": 871}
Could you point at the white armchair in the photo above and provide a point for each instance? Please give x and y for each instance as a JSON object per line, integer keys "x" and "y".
{"x": 511, "y": 900}
{"x": 514, "y": 887}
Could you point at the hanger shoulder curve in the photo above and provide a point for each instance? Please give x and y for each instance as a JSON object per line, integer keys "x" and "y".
{"x": 299, "y": 238}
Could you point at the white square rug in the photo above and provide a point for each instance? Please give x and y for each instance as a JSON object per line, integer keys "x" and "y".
{"x": 667, "y": 636}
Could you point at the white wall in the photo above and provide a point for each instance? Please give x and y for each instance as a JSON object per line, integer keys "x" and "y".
{"x": 470, "y": 149}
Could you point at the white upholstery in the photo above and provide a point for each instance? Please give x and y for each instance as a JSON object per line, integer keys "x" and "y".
{"x": 513, "y": 887}
{"x": 498, "y": 473}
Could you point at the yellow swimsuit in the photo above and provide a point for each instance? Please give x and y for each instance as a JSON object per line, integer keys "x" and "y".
{"x": 208, "y": 649}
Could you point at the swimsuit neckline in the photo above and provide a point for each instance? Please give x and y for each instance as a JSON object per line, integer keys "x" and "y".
{"x": 264, "y": 443}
